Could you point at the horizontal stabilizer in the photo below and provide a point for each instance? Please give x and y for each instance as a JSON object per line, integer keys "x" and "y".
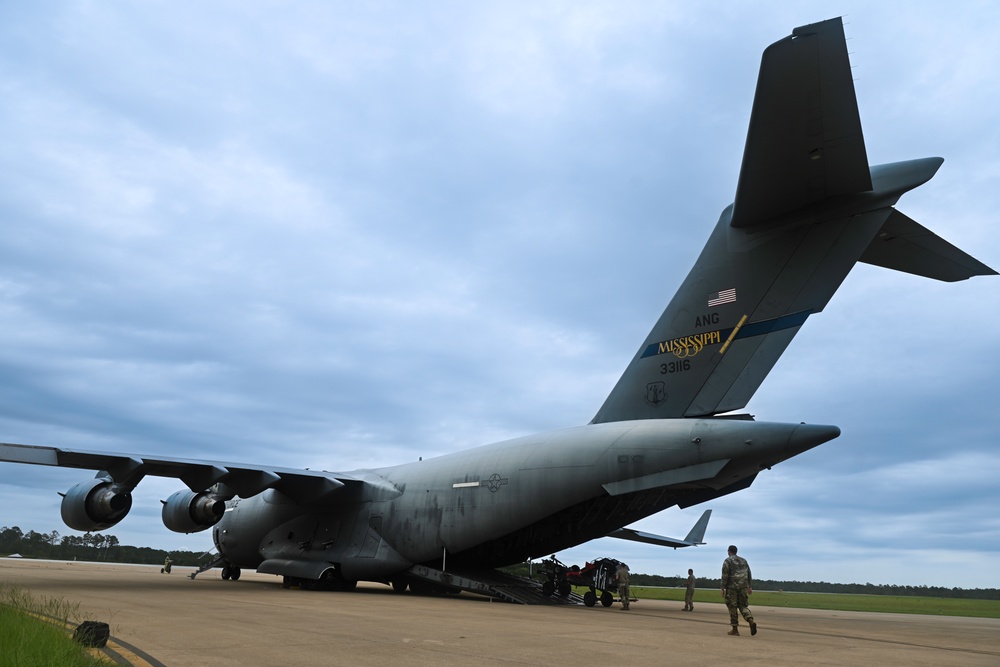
{"x": 694, "y": 538}
{"x": 905, "y": 245}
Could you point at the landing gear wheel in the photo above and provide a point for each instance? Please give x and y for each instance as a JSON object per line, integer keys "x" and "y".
{"x": 607, "y": 599}
{"x": 548, "y": 588}
{"x": 329, "y": 581}
{"x": 399, "y": 585}
{"x": 234, "y": 573}
{"x": 425, "y": 588}
{"x": 333, "y": 580}
{"x": 590, "y": 598}
{"x": 226, "y": 573}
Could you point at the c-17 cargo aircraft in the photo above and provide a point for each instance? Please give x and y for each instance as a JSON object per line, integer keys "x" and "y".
{"x": 808, "y": 206}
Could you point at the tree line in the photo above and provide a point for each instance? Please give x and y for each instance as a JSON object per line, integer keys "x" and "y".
{"x": 97, "y": 547}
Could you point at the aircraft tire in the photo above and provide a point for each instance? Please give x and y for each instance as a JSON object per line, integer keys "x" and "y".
{"x": 330, "y": 581}
{"x": 234, "y": 573}
{"x": 425, "y": 588}
{"x": 399, "y": 585}
{"x": 333, "y": 580}
{"x": 226, "y": 573}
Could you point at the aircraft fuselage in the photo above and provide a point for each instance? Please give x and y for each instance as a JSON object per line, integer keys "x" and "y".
{"x": 492, "y": 504}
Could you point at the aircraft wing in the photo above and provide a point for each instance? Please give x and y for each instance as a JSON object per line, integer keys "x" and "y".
{"x": 804, "y": 143}
{"x": 302, "y": 486}
{"x": 693, "y": 539}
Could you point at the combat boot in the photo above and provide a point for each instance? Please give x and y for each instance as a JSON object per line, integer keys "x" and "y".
{"x": 753, "y": 627}
{"x": 735, "y": 631}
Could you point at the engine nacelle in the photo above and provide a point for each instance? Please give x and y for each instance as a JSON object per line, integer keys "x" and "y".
{"x": 95, "y": 505}
{"x": 189, "y": 512}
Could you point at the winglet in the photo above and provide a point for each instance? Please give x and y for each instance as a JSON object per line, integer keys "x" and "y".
{"x": 694, "y": 537}
{"x": 697, "y": 534}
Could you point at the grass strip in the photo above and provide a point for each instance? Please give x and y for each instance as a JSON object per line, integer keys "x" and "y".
{"x": 902, "y": 604}
{"x": 29, "y": 641}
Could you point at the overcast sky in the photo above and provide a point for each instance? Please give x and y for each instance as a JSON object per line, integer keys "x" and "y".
{"x": 345, "y": 235}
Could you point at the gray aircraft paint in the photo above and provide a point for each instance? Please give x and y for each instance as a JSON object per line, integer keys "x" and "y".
{"x": 807, "y": 208}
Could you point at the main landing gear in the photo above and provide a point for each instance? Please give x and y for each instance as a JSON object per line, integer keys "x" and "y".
{"x": 330, "y": 580}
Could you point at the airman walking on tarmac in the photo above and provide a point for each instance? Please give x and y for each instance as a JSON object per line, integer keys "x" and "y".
{"x": 736, "y": 588}
{"x": 689, "y": 592}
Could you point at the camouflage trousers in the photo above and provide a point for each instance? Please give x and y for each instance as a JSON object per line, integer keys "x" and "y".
{"x": 624, "y": 594}
{"x": 738, "y": 603}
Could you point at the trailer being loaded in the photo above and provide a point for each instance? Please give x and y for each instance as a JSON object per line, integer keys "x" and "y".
{"x": 598, "y": 575}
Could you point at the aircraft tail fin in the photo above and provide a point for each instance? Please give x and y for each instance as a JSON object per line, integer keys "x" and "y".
{"x": 805, "y": 142}
{"x": 808, "y": 207}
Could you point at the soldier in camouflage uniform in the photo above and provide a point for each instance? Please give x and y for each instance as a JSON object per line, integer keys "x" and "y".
{"x": 736, "y": 587}
{"x": 689, "y": 592}
{"x": 624, "y": 592}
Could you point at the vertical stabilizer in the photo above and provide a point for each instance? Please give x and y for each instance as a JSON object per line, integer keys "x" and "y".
{"x": 807, "y": 208}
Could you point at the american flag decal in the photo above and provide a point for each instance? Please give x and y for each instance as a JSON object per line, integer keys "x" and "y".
{"x": 719, "y": 298}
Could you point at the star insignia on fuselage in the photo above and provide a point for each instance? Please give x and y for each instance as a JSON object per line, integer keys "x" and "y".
{"x": 495, "y": 482}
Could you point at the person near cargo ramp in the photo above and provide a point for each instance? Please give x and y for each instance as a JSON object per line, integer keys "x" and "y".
{"x": 689, "y": 592}
{"x": 624, "y": 592}
{"x": 736, "y": 589}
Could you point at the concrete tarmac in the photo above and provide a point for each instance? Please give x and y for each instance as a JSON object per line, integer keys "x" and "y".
{"x": 178, "y": 622}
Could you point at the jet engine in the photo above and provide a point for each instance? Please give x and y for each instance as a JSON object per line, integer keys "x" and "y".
{"x": 95, "y": 505}
{"x": 189, "y": 512}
